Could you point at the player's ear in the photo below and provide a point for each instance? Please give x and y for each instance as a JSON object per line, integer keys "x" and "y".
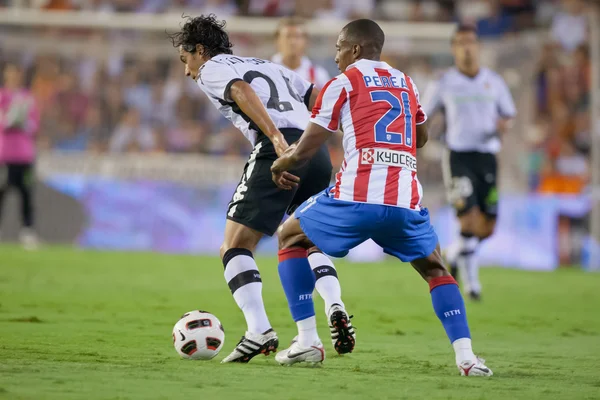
{"x": 200, "y": 49}
{"x": 356, "y": 51}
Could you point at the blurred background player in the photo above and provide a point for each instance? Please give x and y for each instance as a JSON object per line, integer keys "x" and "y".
{"x": 268, "y": 103}
{"x": 478, "y": 109}
{"x": 291, "y": 40}
{"x": 377, "y": 194}
{"x": 19, "y": 122}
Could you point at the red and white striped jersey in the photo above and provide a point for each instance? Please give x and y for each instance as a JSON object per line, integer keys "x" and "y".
{"x": 378, "y": 109}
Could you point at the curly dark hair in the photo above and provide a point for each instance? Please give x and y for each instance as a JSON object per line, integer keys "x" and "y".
{"x": 204, "y": 30}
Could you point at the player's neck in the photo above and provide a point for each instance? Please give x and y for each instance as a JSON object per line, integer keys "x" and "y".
{"x": 292, "y": 62}
{"x": 471, "y": 72}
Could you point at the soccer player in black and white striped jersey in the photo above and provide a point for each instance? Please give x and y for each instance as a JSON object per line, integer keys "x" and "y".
{"x": 478, "y": 109}
{"x": 269, "y": 104}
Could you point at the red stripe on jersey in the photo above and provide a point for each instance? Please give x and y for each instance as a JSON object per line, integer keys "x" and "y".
{"x": 414, "y": 200}
{"x": 383, "y": 72}
{"x": 319, "y": 103}
{"x": 361, "y": 182}
{"x": 392, "y": 181}
{"x": 338, "y": 181}
{"x": 312, "y": 74}
{"x": 337, "y": 107}
{"x": 336, "y": 188}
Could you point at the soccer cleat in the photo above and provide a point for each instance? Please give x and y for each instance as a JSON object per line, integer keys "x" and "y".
{"x": 28, "y": 239}
{"x": 253, "y": 344}
{"x": 474, "y": 368}
{"x": 342, "y": 332}
{"x": 474, "y": 296}
{"x": 313, "y": 355}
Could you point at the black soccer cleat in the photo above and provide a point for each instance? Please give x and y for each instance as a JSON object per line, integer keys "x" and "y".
{"x": 343, "y": 336}
{"x": 475, "y": 296}
{"x": 253, "y": 344}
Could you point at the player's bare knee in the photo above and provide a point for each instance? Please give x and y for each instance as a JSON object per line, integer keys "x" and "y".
{"x": 487, "y": 229}
{"x": 431, "y": 266}
{"x": 471, "y": 220}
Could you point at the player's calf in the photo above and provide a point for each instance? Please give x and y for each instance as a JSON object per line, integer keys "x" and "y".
{"x": 449, "y": 306}
{"x": 298, "y": 283}
{"x": 244, "y": 280}
{"x": 327, "y": 285}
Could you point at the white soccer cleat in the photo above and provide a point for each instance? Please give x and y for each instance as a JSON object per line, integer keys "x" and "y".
{"x": 343, "y": 336}
{"x": 314, "y": 354}
{"x": 253, "y": 344}
{"x": 29, "y": 239}
{"x": 474, "y": 368}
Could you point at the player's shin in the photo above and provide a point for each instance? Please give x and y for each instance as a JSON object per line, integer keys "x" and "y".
{"x": 327, "y": 283}
{"x": 449, "y": 306}
{"x": 298, "y": 283}
{"x": 466, "y": 261}
{"x": 243, "y": 278}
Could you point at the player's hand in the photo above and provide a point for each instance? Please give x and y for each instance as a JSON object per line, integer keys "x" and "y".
{"x": 283, "y": 179}
{"x": 286, "y": 181}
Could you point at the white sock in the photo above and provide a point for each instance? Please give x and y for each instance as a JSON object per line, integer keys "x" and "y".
{"x": 327, "y": 283}
{"x": 463, "y": 350}
{"x": 452, "y": 251}
{"x": 473, "y": 273}
{"x": 307, "y": 332}
{"x": 243, "y": 278}
{"x": 467, "y": 263}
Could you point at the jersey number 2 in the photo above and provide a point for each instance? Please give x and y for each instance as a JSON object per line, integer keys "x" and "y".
{"x": 274, "y": 103}
{"x": 397, "y": 106}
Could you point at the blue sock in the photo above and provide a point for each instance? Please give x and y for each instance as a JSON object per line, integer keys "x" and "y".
{"x": 298, "y": 282}
{"x": 449, "y": 307}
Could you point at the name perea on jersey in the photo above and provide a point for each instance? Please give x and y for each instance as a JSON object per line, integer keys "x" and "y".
{"x": 384, "y": 81}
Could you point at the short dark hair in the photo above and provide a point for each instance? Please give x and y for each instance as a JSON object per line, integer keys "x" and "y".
{"x": 366, "y": 33}
{"x": 288, "y": 21}
{"x": 206, "y": 31}
{"x": 464, "y": 28}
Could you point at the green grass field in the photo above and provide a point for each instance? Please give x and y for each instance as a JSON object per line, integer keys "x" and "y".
{"x": 92, "y": 325}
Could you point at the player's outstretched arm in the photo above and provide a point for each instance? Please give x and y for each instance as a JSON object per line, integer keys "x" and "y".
{"x": 248, "y": 101}
{"x": 422, "y": 135}
{"x": 297, "y": 155}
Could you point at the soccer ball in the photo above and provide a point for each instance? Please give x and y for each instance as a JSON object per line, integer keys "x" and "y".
{"x": 198, "y": 335}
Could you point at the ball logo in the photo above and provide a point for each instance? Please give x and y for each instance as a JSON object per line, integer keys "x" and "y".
{"x": 368, "y": 156}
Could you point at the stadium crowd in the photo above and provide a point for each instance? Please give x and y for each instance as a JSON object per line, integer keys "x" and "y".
{"x": 144, "y": 104}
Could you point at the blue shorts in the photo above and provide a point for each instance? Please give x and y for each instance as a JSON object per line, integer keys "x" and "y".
{"x": 336, "y": 226}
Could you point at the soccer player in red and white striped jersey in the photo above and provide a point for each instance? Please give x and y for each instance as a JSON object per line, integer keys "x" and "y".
{"x": 378, "y": 108}
{"x": 376, "y": 194}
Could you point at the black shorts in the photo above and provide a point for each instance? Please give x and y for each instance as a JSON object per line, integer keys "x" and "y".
{"x": 471, "y": 181}
{"x": 258, "y": 203}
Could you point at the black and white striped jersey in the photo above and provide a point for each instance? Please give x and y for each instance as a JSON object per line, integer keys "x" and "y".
{"x": 283, "y": 92}
{"x": 472, "y": 107}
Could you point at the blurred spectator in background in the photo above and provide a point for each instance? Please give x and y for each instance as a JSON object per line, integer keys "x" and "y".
{"x": 521, "y": 12}
{"x": 291, "y": 41}
{"x": 570, "y": 25}
{"x": 132, "y": 134}
{"x": 19, "y": 123}
{"x": 498, "y": 23}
